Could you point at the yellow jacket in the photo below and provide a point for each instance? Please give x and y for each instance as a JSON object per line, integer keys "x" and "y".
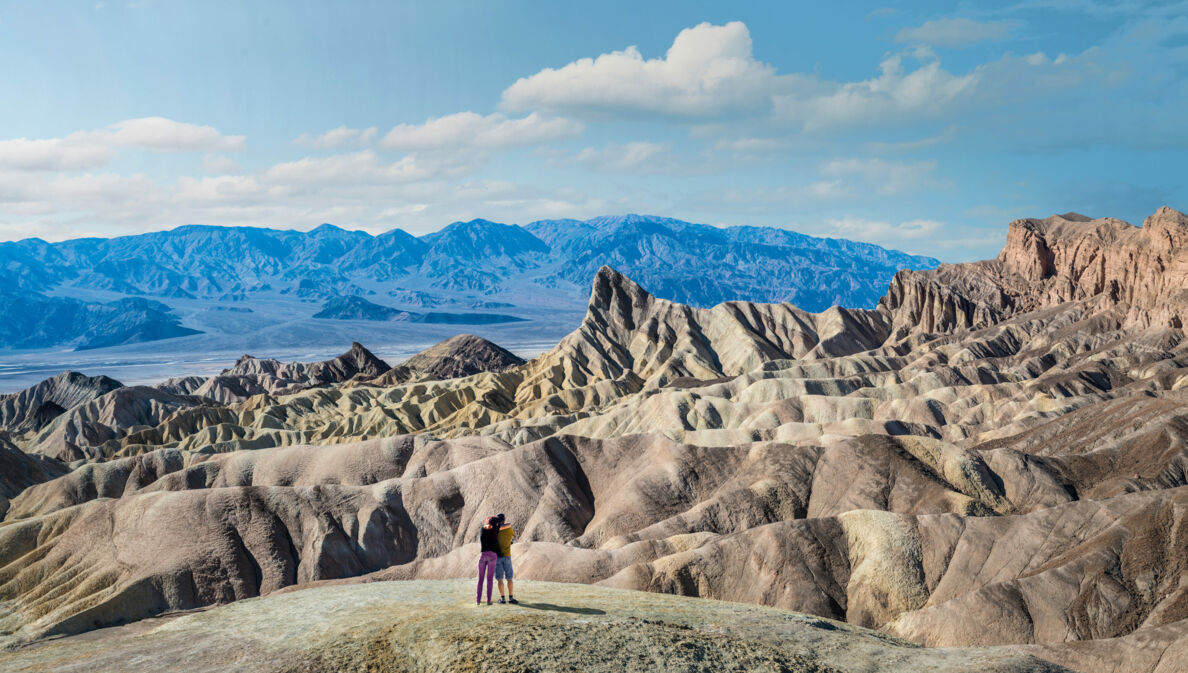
{"x": 506, "y": 533}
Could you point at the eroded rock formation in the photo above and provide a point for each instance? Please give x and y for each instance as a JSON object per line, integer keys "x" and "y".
{"x": 995, "y": 457}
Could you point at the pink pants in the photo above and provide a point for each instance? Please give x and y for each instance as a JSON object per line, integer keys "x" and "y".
{"x": 487, "y": 569}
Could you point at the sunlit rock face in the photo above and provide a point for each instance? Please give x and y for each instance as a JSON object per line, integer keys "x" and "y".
{"x": 993, "y": 457}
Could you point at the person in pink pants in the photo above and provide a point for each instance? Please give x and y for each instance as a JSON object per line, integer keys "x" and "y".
{"x": 489, "y": 540}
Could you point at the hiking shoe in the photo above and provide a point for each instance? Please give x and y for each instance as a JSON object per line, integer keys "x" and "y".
{"x": 501, "y": 601}
{"x": 512, "y": 600}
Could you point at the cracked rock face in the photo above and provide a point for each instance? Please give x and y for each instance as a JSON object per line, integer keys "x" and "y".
{"x": 993, "y": 458}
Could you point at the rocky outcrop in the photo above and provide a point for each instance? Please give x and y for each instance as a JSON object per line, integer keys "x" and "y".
{"x": 462, "y": 355}
{"x": 256, "y": 376}
{"x": 19, "y": 471}
{"x": 1106, "y": 263}
{"x": 82, "y": 432}
{"x": 631, "y": 338}
{"x": 33, "y": 408}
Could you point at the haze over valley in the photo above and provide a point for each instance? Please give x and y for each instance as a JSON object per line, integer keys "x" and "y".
{"x": 195, "y": 298}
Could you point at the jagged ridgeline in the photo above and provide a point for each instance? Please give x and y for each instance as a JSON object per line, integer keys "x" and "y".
{"x": 992, "y": 457}
{"x": 60, "y": 293}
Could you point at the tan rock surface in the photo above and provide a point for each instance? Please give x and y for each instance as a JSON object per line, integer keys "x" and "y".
{"x": 409, "y": 627}
{"x": 995, "y": 457}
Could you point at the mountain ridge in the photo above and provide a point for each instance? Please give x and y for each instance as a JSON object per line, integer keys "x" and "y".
{"x": 1013, "y": 476}
{"x": 467, "y": 263}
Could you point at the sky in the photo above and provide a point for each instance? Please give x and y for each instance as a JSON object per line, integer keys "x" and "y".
{"x": 922, "y": 126}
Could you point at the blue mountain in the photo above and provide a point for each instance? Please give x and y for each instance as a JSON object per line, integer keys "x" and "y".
{"x": 473, "y": 263}
{"x": 703, "y": 265}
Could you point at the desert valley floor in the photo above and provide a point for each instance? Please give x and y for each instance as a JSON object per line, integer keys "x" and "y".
{"x": 994, "y": 458}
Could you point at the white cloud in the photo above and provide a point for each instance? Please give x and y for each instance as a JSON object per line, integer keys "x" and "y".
{"x": 895, "y": 96}
{"x": 954, "y": 32}
{"x": 74, "y": 152}
{"x": 219, "y": 163}
{"x": 367, "y": 167}
{"x": 886, "y": 177}
{"x": 167, "y": 135}
{"x": 343, "y": 136}
{"x": 83, "y": 150}
{"x": 471, "y": 130}
{"x": 877, "y": 231}
{"x": 238, "y": 189}
{"x": 708, "y": 72}
{"x": 709, "y": 75}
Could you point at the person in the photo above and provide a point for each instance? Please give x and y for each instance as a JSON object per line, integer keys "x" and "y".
{"x": 489, "y": 542}
{"x": 503, "y": 562}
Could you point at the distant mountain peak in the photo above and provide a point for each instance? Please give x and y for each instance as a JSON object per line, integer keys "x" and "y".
{"x": 462, "y": 355}
{"x": 546, "y": 263}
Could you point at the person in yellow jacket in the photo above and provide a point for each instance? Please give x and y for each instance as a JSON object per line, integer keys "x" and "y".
{"x": 503, "y": 563}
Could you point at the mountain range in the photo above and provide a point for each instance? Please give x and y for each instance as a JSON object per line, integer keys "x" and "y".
{"x": 993, "y": 458}
{"x": 93, "y": 292}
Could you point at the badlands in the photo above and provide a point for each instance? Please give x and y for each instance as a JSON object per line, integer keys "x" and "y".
{"x": 990, "y": 464}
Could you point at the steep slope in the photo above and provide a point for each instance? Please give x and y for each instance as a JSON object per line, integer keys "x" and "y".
{"x": 256, "y": 376}
{"x": 20, "y": 471}
{"x": 1012, "y": 478}
{"x": 33, "y": 408}
{"x": 79, "y": 432}
{"x": 463, "y": 355}
{"x": 1064, "y": 258}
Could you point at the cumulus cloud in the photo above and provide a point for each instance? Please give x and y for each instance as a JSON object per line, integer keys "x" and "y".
{"x": 895, "y": 96}
{"x": 84, "y": 150}
{"x": 368, "y": 167}
{"x": 75, "y": 152}
{"x": 707, "y": 72}
{"x": 471, "y": 130}
{"x": 218, "y": 163}
{"x": 954, "y": 32}
{"x": 877, "y": 231}
{"x": 343, "y": 136}
{"x": 167, "y": 135}
{"x": 709, "y": 75}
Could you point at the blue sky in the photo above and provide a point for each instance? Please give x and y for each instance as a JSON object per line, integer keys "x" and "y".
{"x": 923, "y": 126}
